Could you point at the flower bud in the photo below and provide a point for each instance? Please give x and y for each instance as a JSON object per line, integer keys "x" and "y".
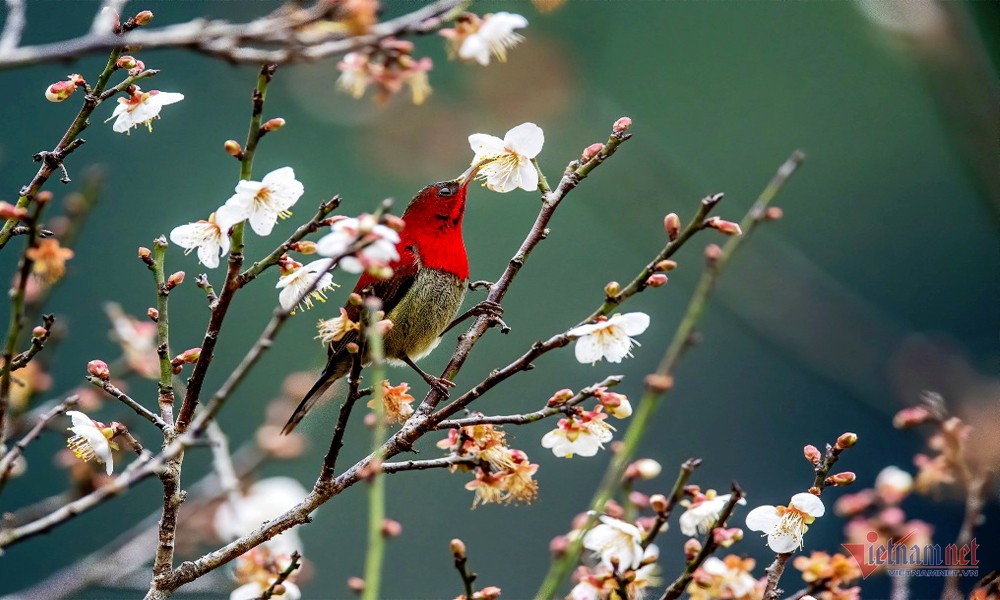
{"x": 59, "y": 91}
{"x": 812, "y": 454}
{"x": 305, "y": 247}
{"x": 188, "y": 357}
{"x": 370, "y": 420}
{"x": 647, "y": 468}
{"x": 145, "y": 254}
{"x": 99, "y": 369}
{"x": 559, "y": 398}
{"x": 10, "y": 211}
{"x": 841, "y": 479}
{"x": 672, "y": 223}
{"x": 39, "y": 331}
{"x": 656, "y": 280}
{"x": 391, "y": 528}
{"x": 847, "y": 440}
{"x": 908, "y": 417}
{"x": 691, "y": 549}
{"x": 457, "y": 548}
{"x": 352, "y": 348}
{"x": 612, "y": 289}
{"x": 487, "y": 593}
{"x": 143, "y": 18}
{"x": 273, "y": 124}
{"x": 726, "y": 227}
{"x": 659, "y": 383}
{"x": 638, "y": 499}
{"x": 558, "y": 546}
{"x": 613, "y": 509}
{"x": 153, "y": 314}
{"x": 233, "y": 148}
{"x": 666, "y": 265}
{"x": 727, "y": 537}
{"x": 126, "y": 62}
{"x": 712, "y": 254}
{"x": 621, "y": 125}
{"x": 591, "y": 151}
{"x": 355, "y": 299}
{"x": 393, "y": 222}
{"x": 356, "y": 584}
{"x": 175, "y": 280}
{"x": 658, "y": 502}
{"x": 773, "y": 213}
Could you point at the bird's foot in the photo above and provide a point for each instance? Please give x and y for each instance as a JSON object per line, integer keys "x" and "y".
{"x": 440, "y": 384}
{"x": 495, "y": 313}
{"x": 482, "y": 283}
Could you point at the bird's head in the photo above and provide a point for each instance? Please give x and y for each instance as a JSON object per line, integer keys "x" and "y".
{"x": 441, "y": 205}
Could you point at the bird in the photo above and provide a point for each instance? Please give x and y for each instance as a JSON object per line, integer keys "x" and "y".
{"x": 421, "y": 298}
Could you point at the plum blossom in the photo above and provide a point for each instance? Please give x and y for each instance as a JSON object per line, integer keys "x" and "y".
{"x": 785, "y": 526}
{"x": 582, "y": 434}
{"x": 264, "y": 500}
{"x": 506, "y": 164}
{"x": 379, "y": 243}
{"x": 208, "y": 237}
{"x": 475, "y": 38}
{"x": 396, "y": 402}
{"x": 615, "y": 539}
{"x": 724, "y": 578}
{"x": 334, "y": 330}
{"x": 263, "y": 202}
{"x": 608, "y": 338}
{"x": 255, "y": 571}
{"x": 137, "y": 340}
{"x": 297, "y": 279}
{"x": 893, "y": 484}
{"x": 140, "y": 108}
{"x": 703, "y": 512}
{"x": 91, "y": 440}
{"x": 49, "y": 260}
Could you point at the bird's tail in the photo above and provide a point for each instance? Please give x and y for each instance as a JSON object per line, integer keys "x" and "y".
{"x": 334, "y": 370}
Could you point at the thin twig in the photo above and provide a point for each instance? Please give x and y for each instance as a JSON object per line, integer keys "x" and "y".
{"x": 676, "y": 493}
{"x": 13, "y": 26}
{"x": 128, "y": 401}
{"x": 7, "y": 462}
{"x": 282, "y": 577}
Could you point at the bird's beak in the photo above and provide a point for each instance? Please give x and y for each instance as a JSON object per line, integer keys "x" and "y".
{"x": 465, "y": 178}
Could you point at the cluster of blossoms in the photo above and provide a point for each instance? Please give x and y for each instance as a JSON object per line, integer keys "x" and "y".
{"x": 390, "y": 66}
{"x": 584, "y": 432}
{"x": 829, "y": 575}
{"x": 703, "y": 510}
{"x": 877, "y": 511}
{"x": 261, "y": 204}
{"x": 729, "y": 578}
{"x": 503, "y": 474}
{"x": 622, "y": 558}
{"x": 257, "y": 570}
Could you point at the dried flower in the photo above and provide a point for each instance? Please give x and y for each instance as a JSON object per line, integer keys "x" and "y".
{"x": 396, "y": 402}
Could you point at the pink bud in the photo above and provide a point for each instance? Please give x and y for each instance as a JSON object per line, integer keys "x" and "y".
{"x": 639, "y": 499}
{"x": 613, "y": 509}
{"x": 143, "y": 18}
{"x": 233, "y": 148}
{"x": 273, "y": 124}
{"x": 145, "y": 254}
{"x": 305, "y": 247}
{"x": 356, "y": 584}
{"x": 659, "y": 383}
{"x": 647, "y": 468}
{"x": 726, "y": 227}
{"x": 812, "y": 454}
{"x": 487, "y": 593}
{"x": 908, "y": 417}
{"x": 153, "y": 314}
{"x": 559, "y": 398}
{"x": 99, "y": 369}
{"x": 656, "y": 280}
{"x": 666, "y": 265}
{"x": 175, "y": 279}
{"x": 672, "y": 223}
{"x": 773, "y": 213}
{"x": 57, "y": 92}
{"x": 621, "y": 125}
{"x": 558, "y": 546}
{"x": 391, "y": 528}
{"x": 457, "y": 548}
{"x": 712, "y": 253}
{"x": 691, "y": 549}
{"x": 591, "y": 151}
{"x": 727, "y": 537}
{"x": 126, "y": 62}
{"x": 10, "y": 211}
{"x": 658, "y": 502}
{"x": 841, "y": 479}
{"x": 188, "y": 357}
{"x": 39, "y": 331}
{"x": 847, "y": 440}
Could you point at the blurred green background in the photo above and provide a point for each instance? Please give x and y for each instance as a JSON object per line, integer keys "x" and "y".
{"x": 880, "y": 281}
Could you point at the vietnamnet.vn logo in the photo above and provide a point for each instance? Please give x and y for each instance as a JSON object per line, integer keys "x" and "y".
{"x": 901, "y": 558}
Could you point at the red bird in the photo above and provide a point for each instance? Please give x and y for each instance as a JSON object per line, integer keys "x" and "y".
{"x": 423, "y": 295}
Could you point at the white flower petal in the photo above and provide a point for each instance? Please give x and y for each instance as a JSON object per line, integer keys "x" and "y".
{"x": 526, "y": 139}
{"x": 809, "y": 504}
{"x": 475, "y": 48}
{"x": 262, "y": 221}
{"x": 714, "y": 566}
{"x": 632, "y": 323}
{"x": 588, "y": 350}
{"x": 763, "y": 518}
{"x": 247, "y": 591}
{"x": 783, "y": 541}
{"x": 165, "y": 98}
{"x": 527, "y": 176}
{"x": 486, "y": 146}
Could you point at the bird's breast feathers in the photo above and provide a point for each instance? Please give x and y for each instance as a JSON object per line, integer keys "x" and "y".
{"x": 427, "y": 308}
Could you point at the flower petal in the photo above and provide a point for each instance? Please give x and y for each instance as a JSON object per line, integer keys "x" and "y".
{"x": 763, "y": 518}
{"x": 486, "y": 146}
{"x": 783, "y": 542}
{"x": 588, "y": 350}
{"x": 809, "y": 504}
{"x": 632, "y": 323}
{"x": 526, "y": 139}
{"x": 528, "y": 176}
{"x": 262, "y": 221}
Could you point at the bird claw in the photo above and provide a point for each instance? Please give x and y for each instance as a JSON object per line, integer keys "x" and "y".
{"x": 482, "y": 283}
{"x": 441, "y": 385}
{"x": 494, "y": 311}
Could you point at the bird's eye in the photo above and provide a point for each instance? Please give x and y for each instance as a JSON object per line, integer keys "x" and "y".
{"x": 445, "y": 190}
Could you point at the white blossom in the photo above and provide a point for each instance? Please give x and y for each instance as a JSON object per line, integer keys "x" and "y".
{"x": 785, "y": 526}
{"x": 313, "y": 276}
{"x": 208, "y": 237}
{"x": 140, "y": 109}
{"x": 263, "y": 501}
{"x": 90, "y": 441}
{"x": 610, "y": 339}
{"x": 702, "y": 516}
{"x": 615, "y": 539}
{"x": 509, "y": 165}
{"x": 737, "y": 581}
{"x": 584, "y": 435}
{"x": 262, "y": 202}
{"x": 380, "y": 249}
{"x": 495, "y": 36}
{"x": 255, "y": 589}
